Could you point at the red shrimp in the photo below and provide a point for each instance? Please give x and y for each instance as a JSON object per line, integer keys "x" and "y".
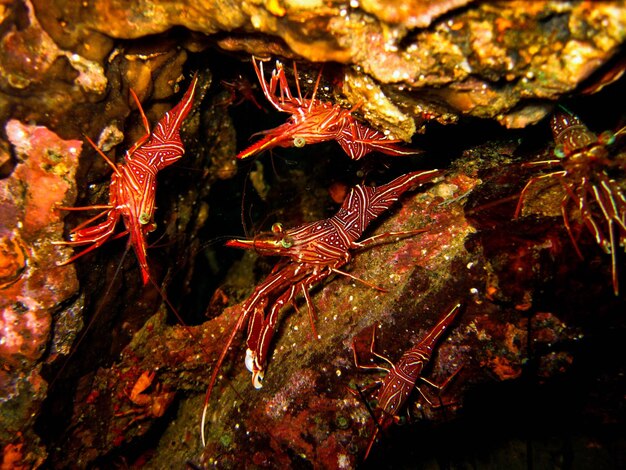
{"x": 398, "y": 384}
{"x": 133, "y": 185}
{"x": 313, "y": 121}
{"x": 312, "y": 252}
{"x": 585, "y": 162}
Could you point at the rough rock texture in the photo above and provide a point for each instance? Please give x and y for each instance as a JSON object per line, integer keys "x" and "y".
{"x": 535, "y": 351}
{"x": 519, "y": 323}
{"x": 488, "y": 59}
{"x": 34, "y": 289}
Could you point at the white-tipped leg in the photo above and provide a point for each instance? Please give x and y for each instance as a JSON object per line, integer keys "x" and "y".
{"x": 257, "y": 374}
{"x": 202, "y": 422}
{"x": 249, "y": 360}
{"x": 257, "y": 379}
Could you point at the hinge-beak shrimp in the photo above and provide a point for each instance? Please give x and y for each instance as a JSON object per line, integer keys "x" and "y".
{"x": 586, "y": 163}
{"x": 312, "y": 252}
{"x": 133, "y": 185}
{"x": 313, "y": 121}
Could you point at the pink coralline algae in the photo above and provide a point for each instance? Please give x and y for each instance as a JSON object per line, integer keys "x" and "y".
{"x": 31, "y": 284}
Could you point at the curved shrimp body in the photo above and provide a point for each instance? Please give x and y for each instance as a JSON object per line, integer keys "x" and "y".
{"x": 133, "y": 185}
{"x": 396, "y": 387}
{"x": 327, "y": 242}
{"x": 585, "y": 160}
{"x": 312, "y": 252}
{"x": 313, "y": 121}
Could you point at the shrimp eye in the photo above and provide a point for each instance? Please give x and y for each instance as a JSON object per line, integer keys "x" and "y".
{"x": 559, "y": 152}
{"x": 607, "y": 138}
{"x": 286, "y": 242}
{"x": 277, "y": 227}
{"x": 144, "y": 218}
{"x": 299, "y": 142}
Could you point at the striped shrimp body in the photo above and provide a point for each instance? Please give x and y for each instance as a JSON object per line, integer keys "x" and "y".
{"x": 586, "y": 165}
{"x": 396, "y": 387}
{"x": 313, "y": 121}
{"x": 311, "y": 253}
{"x": 133, "y": 185}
